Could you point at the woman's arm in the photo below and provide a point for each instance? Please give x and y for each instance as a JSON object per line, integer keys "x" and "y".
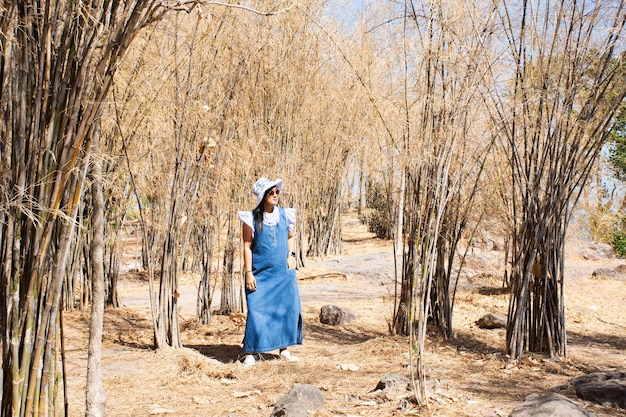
{"x": 246, "y": 233}
{"x": 291, "y": 247}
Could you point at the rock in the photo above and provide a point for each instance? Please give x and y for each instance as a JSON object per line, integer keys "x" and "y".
{"x": 393, "y": 383}
{"x": 606, "y": 273}
{"x": 603, "y": 249}
{"x": 492, "y": 321}
{"x": 335, "y": 316}
{"x": 621, "y": 269}
{"x": 301, "y": 399}
{"x": 597, "y": 377}
{"x": 590, "y": 255}
{"x": 597, "y": 251}
{"x": 479, "y": 260}
{"x": 498, "y": 245}
{"x": 602, "y": 387}
{"x": 612, "y": 392}
{"x": 551, "y": 405}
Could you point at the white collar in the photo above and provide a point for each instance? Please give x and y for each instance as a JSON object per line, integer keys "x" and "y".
{"x": 271, "y": 219}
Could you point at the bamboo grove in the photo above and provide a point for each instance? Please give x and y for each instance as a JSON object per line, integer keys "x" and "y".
{"x": 153, "y": 119}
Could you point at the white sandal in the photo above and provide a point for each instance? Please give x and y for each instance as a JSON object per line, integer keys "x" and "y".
{"x": 286, "y": 355}
{"x": 249, "y": 360}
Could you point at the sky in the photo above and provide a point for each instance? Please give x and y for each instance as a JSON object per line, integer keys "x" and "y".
{"x": 346, "y": 11}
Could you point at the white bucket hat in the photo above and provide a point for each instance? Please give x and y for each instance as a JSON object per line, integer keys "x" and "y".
{"x": 262, "y": 185}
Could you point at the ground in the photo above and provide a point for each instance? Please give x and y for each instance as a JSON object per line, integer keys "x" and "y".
{"x": 466, "y": 376}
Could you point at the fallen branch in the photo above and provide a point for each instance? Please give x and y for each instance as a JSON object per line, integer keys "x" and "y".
{"x": 327, "y": 275}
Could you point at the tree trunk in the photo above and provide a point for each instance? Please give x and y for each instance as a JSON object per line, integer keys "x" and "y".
{"x": 205, "y": 290}
{"x": 363, "y": 183}
{"x": 111, "y": 277}
{"x": 404, "y": 300}
{"x": 95, "y": 394}
{"x": 229, "y": 298}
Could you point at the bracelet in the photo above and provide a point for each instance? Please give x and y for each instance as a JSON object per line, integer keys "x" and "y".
{"x": 248, "y": 271}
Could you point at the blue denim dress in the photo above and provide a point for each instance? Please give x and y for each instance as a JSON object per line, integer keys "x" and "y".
{"x": 274, "y": 311}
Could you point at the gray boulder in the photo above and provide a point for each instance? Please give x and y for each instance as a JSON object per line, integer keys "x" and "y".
{"x": 597, "y": 251}
{"x": 393, "y": 383}
{"x": 492, "y": 321}
{"x": 551, "y": 405}
{"x": 301, "y": 399}
{"x": 336, "y": 316}
{"x": 602, "y": 387}
{"x": 606, "y": 273}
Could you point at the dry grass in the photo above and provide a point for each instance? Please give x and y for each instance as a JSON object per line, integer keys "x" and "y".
{"x": 467, "y": 376}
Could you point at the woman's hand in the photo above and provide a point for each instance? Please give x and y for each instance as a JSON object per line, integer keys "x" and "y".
{"x": 250, "y": 281}
{"x": 291, "y": 262}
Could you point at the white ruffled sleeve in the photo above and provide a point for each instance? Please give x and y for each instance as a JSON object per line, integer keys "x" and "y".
{"x": 290, "y": 213}
{"x": 246, "y": 217}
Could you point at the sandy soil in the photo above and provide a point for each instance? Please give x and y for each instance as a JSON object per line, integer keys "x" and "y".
{"x": 467, "y": 376}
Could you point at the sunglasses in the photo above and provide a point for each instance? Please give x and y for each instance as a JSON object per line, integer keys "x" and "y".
{"x": 272, "y": 192}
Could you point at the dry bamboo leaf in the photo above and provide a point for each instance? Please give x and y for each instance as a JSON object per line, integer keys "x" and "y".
{"x": 348, "y": 367}
{"x": 204, "y": 400}
{"x": 243, "y": 394}
{"x": 228, "y": 381}
{"x": 528, "y": 361}
{"x": 160, "y": 410}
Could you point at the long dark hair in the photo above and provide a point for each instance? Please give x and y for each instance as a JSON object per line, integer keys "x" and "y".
{"x": 257, "y": 213}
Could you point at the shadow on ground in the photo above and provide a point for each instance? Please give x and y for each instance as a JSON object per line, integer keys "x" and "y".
{"x": 597, "y": 339}
{"x": 494, "y": 290}
{"x": 353, "y": 334}
{"x": 222, "y": 353}
{"x": 466, "y": 342}
{"x": 125, "y": 327}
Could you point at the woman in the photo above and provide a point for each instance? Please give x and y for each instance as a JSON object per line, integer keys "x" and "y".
{"x": 274, "y": 313}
